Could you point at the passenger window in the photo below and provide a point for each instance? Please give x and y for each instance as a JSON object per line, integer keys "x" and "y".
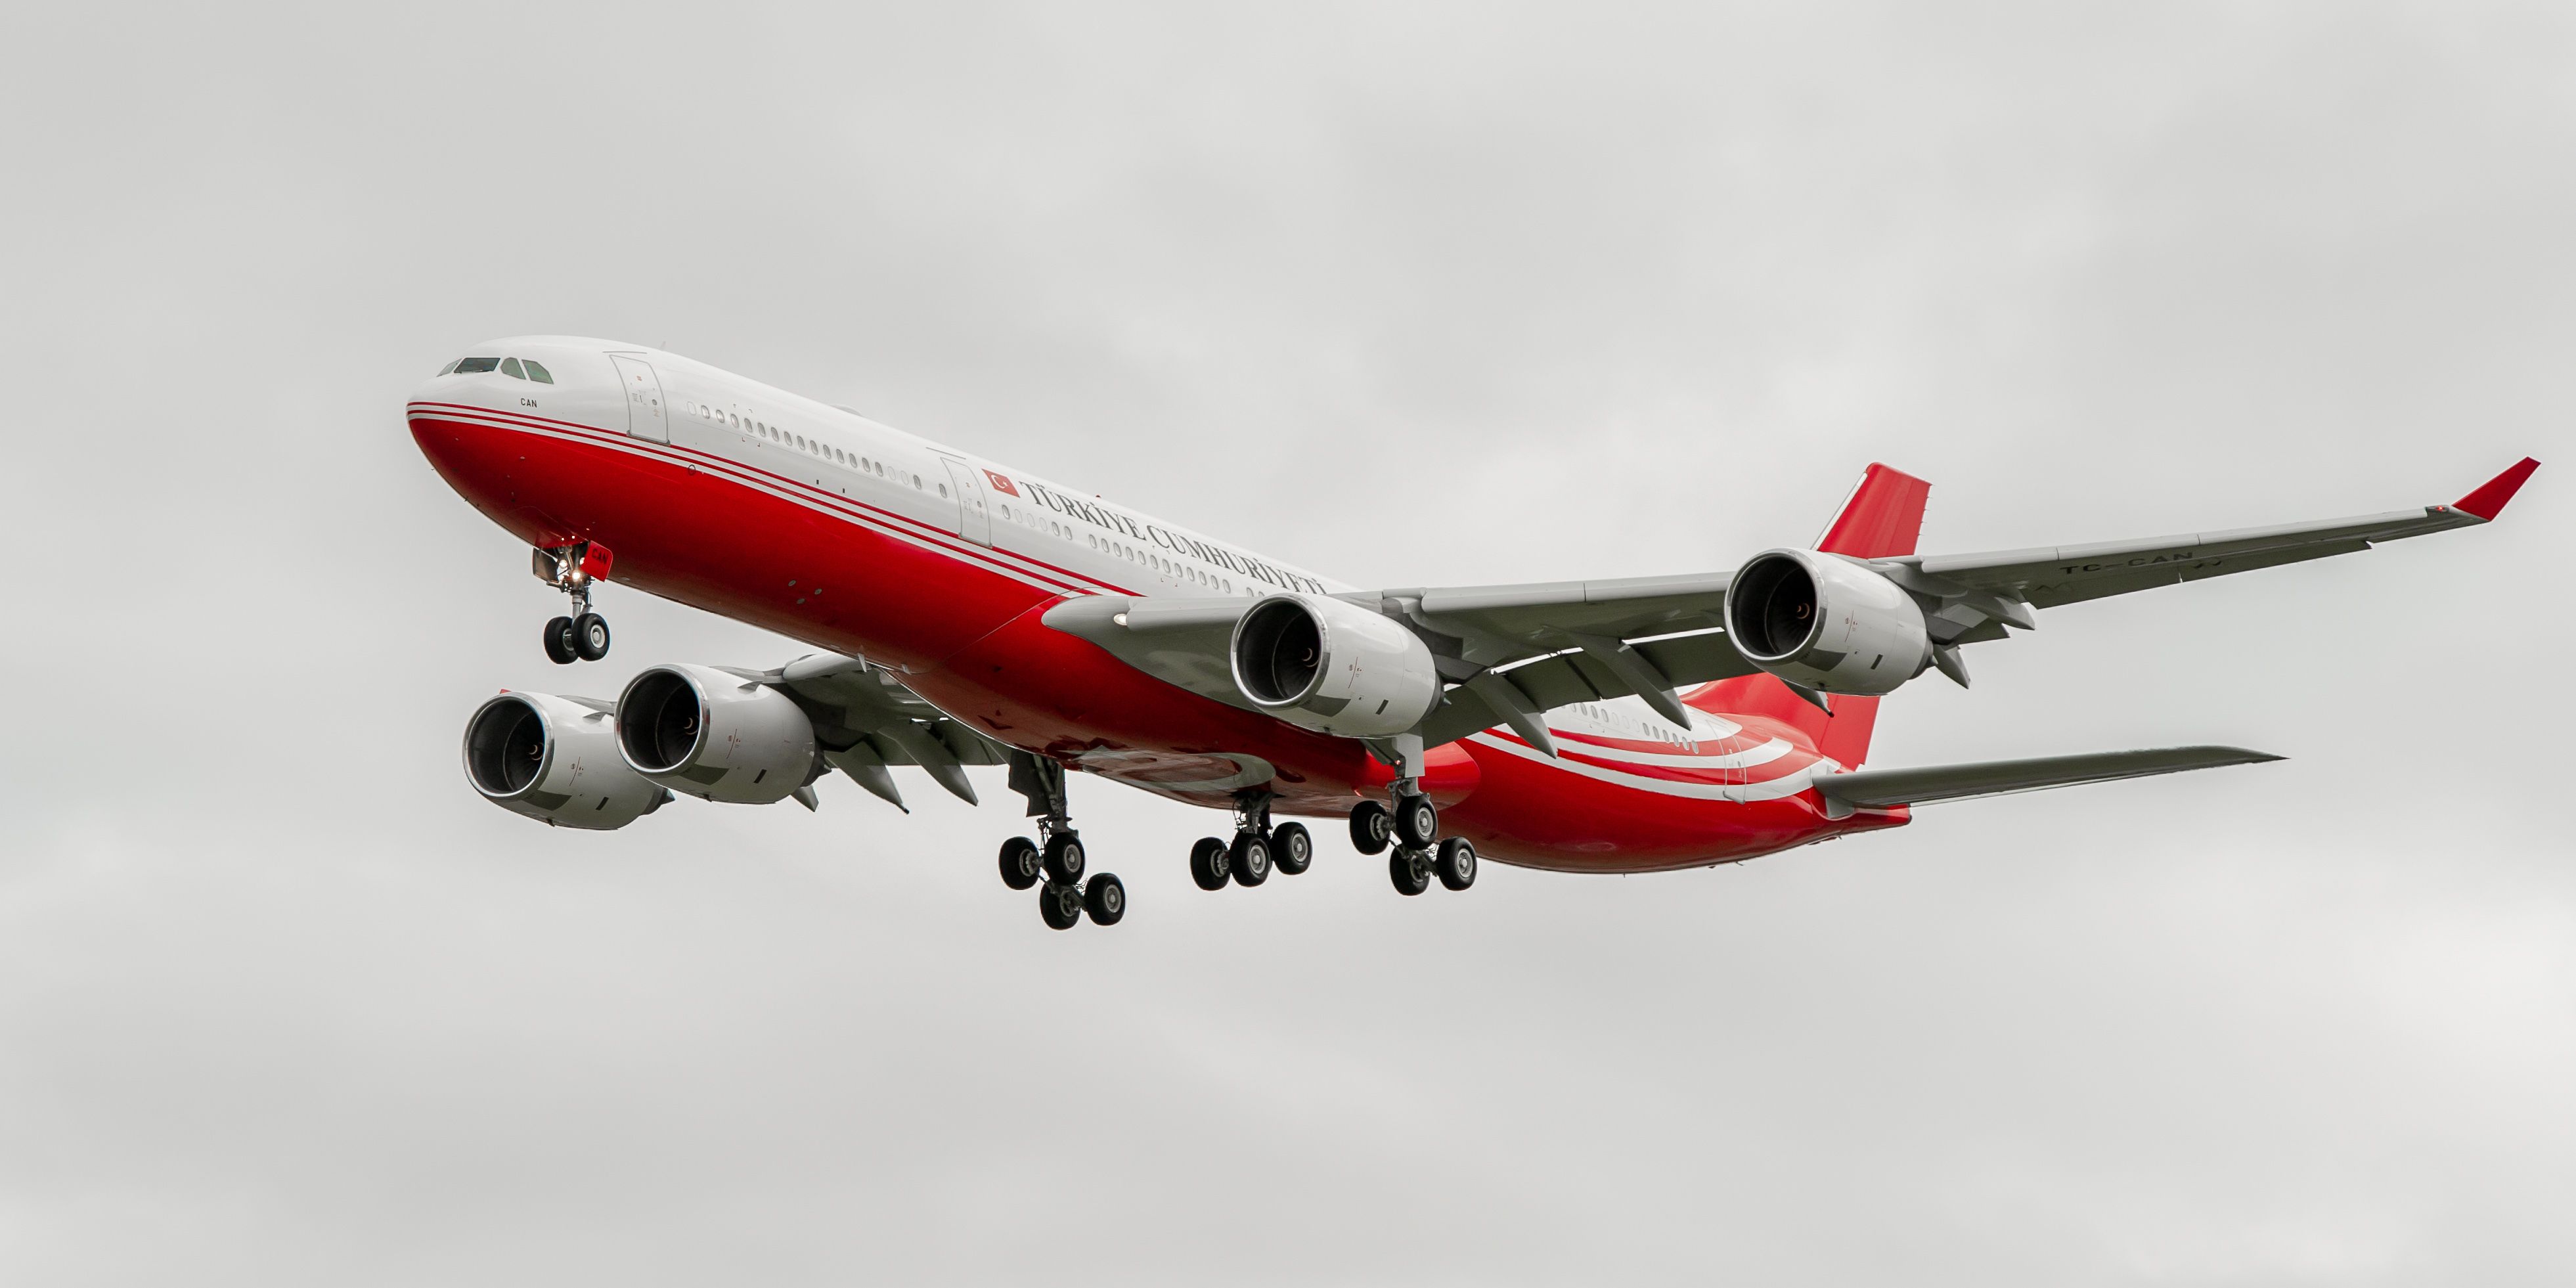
{"x": 467, "y": 366}
{"x": 943, "y": 489}
{"x": 537, "y": 372}
{"x": 510, "y": 368}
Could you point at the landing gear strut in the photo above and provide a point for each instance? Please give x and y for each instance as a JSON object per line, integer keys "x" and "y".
{"x": 1257, "y": 850}
{"x": 1055, "y": 862}
{"x": 1413, "y": 823}
{"x": 582, "y": 636}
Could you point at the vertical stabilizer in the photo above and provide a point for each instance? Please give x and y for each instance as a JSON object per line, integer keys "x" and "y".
{"x": 1882, "y": 518}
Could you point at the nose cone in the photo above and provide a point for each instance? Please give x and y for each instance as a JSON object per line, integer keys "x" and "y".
{"x": 520, "y": 446}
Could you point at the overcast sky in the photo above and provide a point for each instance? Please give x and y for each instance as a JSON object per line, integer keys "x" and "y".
{"x": 1424, "y": 294}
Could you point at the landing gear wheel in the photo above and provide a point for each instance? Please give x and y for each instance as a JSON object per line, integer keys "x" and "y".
{"x": 1456, "y": 863}
{"x": 1370, "y": 826}
{"x": 1417, "y": 823}
{"x": 1020, "y": 866}
{"x": 1064, "y": 858}
{"x": 1208, "y": 863}
{"x": 1291, "y": 850}
{"x": 1060, "y": 904}
{"x": 1410, "y": 869}
{"x": 590, "y": 636}
{"x": 1250, "y": 858}
{"x": 559, "y": 642}
{"x": 1105, "y": 899}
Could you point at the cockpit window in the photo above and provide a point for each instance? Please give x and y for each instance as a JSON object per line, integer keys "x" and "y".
{"x": 539, "y": 373}
{"x": 510, "y": 368}
{"x": 467, "y": 365}
{"x": 449, "y": 367}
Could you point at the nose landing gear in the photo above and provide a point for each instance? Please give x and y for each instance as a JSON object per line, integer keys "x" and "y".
{"x": 583, "y": 636}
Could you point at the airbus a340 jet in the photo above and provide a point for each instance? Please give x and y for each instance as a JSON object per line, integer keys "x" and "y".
{"x": 967, "y": 613}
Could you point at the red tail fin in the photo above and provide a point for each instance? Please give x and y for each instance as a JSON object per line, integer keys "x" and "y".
{"x": 1883, "y": 517}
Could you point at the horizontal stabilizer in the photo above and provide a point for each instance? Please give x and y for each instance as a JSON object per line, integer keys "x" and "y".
{"x": 1878, "y": 788}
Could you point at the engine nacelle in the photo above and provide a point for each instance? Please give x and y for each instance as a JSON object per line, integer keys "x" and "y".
{"x": 555, "y": 759}
{"x": 714, "y": 735}
{"x": 1333, "y": 666}
{"x": 1827, "y": 623}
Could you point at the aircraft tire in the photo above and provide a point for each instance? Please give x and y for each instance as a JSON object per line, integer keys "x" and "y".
{"x": 1370, "y": 827}
{"x": 1456, "y": 863}
{"x": 1020, "y": 864}
{"x": 1410, "y": 869}
{"x": 1105, "y": 898}
{"x": 1064, "y": 858}
{"x": 1417, "y": 821}
{"x": 1291, "y": 850}
{"x": 1060, "y": 905}
{"x": 590, "y": 636}
{"x": 1208, "y": 863}
{"x": 559, "y": 642}
{"x": 1249, "y": 858}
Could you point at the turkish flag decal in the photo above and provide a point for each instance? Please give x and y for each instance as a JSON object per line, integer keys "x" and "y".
{"x": 1002, "y": 483}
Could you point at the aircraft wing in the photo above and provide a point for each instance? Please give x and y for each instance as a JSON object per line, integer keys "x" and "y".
{"x": 1879, "y": 788}
{"x": 866, "y": 720}
{"x": 2048, "y": 576}
{"x": 1512, "y": 652}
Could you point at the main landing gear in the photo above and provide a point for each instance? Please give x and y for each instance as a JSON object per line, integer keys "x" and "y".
{"x": 1054, "y": 863}
{"x": 1257, "y": 848}
{"x": 1412, "y": 826}
{"x": 582, "y": 636}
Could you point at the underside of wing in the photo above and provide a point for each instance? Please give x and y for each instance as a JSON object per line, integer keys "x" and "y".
{"x": 865, "y": 721}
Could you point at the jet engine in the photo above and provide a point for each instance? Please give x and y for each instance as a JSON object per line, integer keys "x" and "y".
{"x": 1826, "y": 623}
{"x": 715, "y": 735}
{"x": 555, "y": 759}
{"x": 1333, "y": 666}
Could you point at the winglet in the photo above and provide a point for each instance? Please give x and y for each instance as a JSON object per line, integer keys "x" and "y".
{"x": 2488, "y": 501}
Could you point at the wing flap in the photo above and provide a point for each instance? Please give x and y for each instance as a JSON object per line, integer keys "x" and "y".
{"x": 1563, "y": 679}
{"x": 1880, "y": 788}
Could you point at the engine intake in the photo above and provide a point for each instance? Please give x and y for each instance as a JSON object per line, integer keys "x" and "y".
{"x": 555, "y": 759}
{"x": 714, "y": 735}
{"x": 1333, "y": 666}
{"x": 1827, "y": 623}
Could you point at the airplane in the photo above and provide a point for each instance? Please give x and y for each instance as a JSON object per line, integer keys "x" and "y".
{"x": 968, "y": 613}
